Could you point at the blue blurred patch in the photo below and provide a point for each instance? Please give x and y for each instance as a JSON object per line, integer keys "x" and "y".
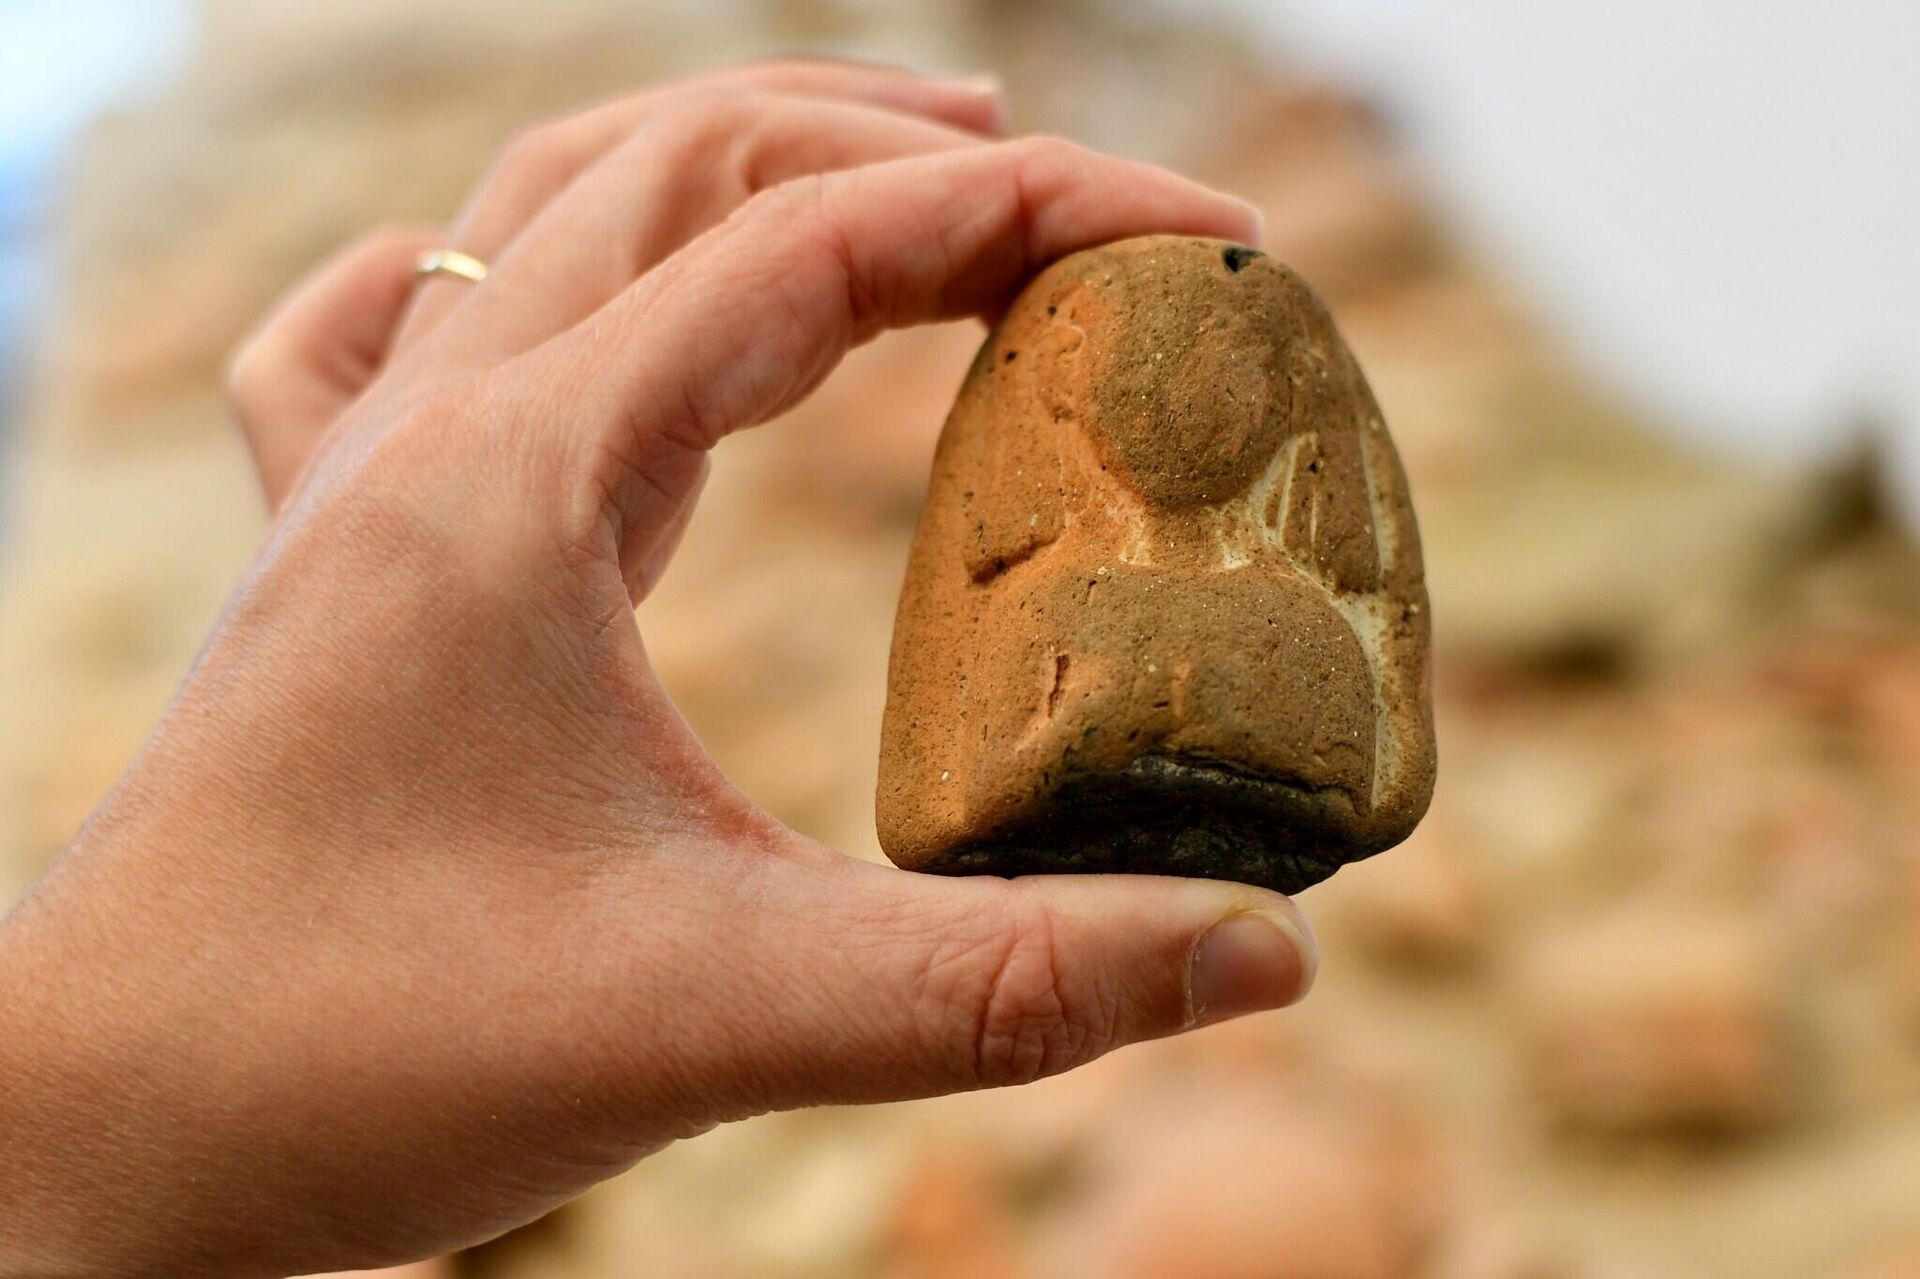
{"x": 61, "y": 63}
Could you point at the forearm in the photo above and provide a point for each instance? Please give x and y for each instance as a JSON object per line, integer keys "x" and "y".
{"x": 96, "y": 1173}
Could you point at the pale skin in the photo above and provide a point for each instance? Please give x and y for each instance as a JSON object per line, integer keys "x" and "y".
{"x": 423, "y": 910}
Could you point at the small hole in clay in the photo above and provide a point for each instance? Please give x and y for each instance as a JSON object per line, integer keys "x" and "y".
{"x": 1238, "y": 255}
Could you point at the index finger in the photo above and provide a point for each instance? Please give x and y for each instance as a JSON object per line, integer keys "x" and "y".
{"x": 748, "y": 318}
{"x": 551, "y": 155}
{"x": 541, "y": 161}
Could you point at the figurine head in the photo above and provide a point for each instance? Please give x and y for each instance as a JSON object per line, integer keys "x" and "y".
{"x": 1165, "y": 610}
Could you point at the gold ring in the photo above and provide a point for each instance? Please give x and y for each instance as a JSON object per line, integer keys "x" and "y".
{"x": 450, "y": 262}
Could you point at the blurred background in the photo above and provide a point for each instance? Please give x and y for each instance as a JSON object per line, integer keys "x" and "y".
{"x": 1638, "y": 287}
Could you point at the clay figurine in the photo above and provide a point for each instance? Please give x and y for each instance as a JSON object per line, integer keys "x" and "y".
{"x": 1165, "y": 611}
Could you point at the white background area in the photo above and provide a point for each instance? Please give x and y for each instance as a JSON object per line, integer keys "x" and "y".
{"x": 1715, "y": 202}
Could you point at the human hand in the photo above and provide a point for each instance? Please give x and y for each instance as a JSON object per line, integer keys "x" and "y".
{"x": 423, "y": 910}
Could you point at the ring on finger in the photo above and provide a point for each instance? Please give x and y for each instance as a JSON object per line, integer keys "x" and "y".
{"x": 450, "y": 262}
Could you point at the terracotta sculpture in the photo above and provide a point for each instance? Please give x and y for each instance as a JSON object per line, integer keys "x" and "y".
{"x": 1165, "y": 610}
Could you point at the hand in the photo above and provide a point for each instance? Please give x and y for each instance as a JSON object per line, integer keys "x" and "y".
{"x": 422, "y": 910}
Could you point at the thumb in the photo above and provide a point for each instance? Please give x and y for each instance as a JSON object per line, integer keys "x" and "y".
{"x": 883, "y": 985}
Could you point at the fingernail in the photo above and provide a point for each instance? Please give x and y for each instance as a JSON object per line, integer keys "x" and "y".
{"x": 991, "y": 86}
{"x": 1259, "y": 223}
{"x": 986, "y": 84}
{"x": 1250, "y": 962}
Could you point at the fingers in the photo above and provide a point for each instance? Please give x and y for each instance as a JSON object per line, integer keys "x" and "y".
{"x": 747, "y": 319}
{"x": 872, "y": 984}
{"x": 674, "y": 177}
{"x": 540, "y": 162}
{"x": 682, "y": 171}
{"x": 319, "y": 348}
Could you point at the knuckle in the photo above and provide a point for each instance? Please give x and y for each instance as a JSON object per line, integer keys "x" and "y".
{"x": 1044, "y": 149}
{"x": 535, "y": 157}
{"x": 774, "y": 214}
{"x": 1016, "y": 1012}
{"x": 791, "y": 69}
{"x": 711, "y": 135}
{"x": 246, "y": 374}
{"x": 476, "y": 416}
{"x": 701, "y": 105}
{"x": 390, "y": 239}
{"x": 798, "y": 221}
{"x": 400, "y": 450}
{"x": 692, "y": 126}
{"x": 798, "y": 204}
{"x": 402, "y": 473}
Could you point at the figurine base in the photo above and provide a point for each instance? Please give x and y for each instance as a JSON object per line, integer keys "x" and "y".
{"x": 1167, "y": 815}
